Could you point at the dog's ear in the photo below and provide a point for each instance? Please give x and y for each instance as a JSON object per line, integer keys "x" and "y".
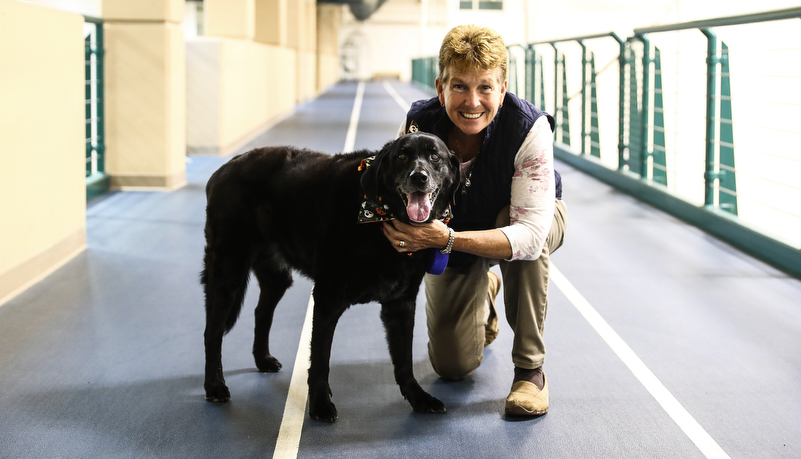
{"x": 371, "y": 182}
{"x": 460, "y": 181}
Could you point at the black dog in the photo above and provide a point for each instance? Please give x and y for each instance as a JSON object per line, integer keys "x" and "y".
{"x": 273, "y": 210}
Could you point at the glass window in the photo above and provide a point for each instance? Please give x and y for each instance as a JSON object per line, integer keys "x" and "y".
{"x": 490, "y": 5}
{"x": 481, "y": 4}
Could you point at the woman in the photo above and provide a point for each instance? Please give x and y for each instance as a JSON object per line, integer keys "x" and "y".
{"x": 510, "y": 214}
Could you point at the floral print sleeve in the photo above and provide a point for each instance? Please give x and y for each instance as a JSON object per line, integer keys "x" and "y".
{"x": 533, "y": 194}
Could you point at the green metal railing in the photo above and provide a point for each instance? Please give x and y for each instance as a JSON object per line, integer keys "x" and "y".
{"x": 589, "y": 141}
{"x": 425, "y": 71}
{"x": 681, "y": 157}
{"x": 97, "y": 181}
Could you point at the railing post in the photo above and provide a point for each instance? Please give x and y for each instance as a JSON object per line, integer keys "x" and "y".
{"x": 88, "y": 102}
{"x": 542, "y": 81}
{"x": 101, "y": 99}
{"x": 710, "y": 175}
{"x": 657, "y": 152}
{"x": 595, "y": 135}
{"x": 555, "y": 84}
{"x": 512, "y": 73}
{"x": 646, "y": 103}
{"x": 583, "y": 97}
{"x": 530, "y": 73}
{"x": 565, "y": 104}
{"x": 727, "y": 186}
{"x": 621, "y": 125}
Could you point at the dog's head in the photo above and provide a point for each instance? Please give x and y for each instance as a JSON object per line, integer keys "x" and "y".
{"x": 416, "y": 176}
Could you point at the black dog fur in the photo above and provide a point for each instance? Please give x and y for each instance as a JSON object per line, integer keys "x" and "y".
{"x": 276, "y": 209}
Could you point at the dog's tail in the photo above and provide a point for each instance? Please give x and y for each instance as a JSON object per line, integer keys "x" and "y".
{"x": 224, "y": 283}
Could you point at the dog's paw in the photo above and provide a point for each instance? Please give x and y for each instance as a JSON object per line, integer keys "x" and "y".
{"x": 268, "y": 364}
{"x": 217, "y": 392}
{"x": 325, "y": 411}
{"x": 429, "y": 404}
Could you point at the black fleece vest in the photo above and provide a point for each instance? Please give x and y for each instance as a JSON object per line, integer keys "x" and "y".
{"x": 491, "y": 178}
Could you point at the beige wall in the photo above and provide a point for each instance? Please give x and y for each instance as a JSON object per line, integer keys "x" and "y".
{"x": 258, "y": 59}
{"x": 235, "y": 90}
{"x": 42, "y": 178}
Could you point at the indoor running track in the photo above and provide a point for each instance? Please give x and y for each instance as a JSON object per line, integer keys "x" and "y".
{"x": 662, "y": 341}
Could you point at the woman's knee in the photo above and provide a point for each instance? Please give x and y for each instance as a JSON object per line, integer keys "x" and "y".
{"x": 455, "y": 366}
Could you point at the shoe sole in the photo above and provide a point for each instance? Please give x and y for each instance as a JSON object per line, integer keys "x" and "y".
{"x": 520, "y": 411}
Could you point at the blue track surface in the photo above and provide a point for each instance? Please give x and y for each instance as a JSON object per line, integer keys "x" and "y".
{"x": 104, "y": 358}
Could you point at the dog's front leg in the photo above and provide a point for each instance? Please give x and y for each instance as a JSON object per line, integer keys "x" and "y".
{"x": 398, "y": 318}
{"x": 324, "y": 321}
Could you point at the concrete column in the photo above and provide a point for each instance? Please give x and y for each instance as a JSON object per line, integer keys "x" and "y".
{"x": 145, "y": 93}
{"x": 271, "y": 22}
{"x": 230, "y": 18}
{"x": 302, "y": 37}
{"x": 329, "y": 17}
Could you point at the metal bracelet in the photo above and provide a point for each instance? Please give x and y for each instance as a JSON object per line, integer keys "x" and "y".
{"x": 451, "y": 236}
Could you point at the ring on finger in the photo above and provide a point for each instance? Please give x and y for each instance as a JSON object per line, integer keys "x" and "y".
{"x": 401, "y": 244}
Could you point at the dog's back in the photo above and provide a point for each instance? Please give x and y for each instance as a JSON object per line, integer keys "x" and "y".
{"x": 284, "y": 199}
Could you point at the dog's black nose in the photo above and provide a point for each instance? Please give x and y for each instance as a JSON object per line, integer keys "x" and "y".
{"x": 419, "y": 176}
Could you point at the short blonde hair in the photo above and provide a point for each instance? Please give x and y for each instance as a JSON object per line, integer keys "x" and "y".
{"x": 470, "y": 47}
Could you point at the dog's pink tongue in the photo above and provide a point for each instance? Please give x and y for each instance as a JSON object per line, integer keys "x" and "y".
{"x": 419, "y": 207}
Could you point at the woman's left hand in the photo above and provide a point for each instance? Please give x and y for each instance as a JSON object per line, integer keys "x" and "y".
{"x": 408, "y": 238}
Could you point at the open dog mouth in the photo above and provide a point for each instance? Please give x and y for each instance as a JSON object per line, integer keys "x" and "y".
{"x": 418, "y": 204}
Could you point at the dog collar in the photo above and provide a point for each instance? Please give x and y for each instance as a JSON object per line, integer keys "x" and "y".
{"x": 372, "y": 210}
{"x": 375, "y": 210}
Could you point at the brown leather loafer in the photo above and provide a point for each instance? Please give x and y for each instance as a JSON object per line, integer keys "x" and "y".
{"x": 491, "y": 329}
{"x": 527, "y": 400}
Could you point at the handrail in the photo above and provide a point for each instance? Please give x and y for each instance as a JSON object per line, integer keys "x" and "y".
{"x": 775, "y": 15}
{"x": 581, "y": 38}
{"x": 621, "y": 62}
{"x": 93, "y": 20}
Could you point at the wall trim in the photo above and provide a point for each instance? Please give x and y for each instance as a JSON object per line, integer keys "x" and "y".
{"x": 148, "y": 182}
{"x": 236, "y": 145}
{"x": 29, "y": 272}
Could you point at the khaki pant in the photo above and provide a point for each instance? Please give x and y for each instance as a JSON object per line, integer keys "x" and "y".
{"x": 457, "y": 307}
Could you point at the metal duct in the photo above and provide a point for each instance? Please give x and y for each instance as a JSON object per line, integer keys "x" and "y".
{"x": 361, "y": 9}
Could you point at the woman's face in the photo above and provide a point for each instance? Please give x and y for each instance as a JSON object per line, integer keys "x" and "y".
{"x": 472, "y": 98}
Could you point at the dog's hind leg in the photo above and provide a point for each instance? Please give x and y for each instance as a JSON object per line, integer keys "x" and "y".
{"x": 398, "y": 319}
{"x": 324, "y": 321}
{"x": 225, "y": 279}
{"x": 274, "y": 279}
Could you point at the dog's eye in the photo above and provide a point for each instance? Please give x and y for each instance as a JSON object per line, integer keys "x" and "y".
{"x": 402, "y": 157}
{"x": 434, "y": 158}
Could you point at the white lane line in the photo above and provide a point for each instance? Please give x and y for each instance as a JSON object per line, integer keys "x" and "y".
{"x": 350, "y": 138}
{"x": 398, "y": 99}
{"x": 286, "y": 447}
{"x": 674, "y": 409}
{"x": 288, "y": 443}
